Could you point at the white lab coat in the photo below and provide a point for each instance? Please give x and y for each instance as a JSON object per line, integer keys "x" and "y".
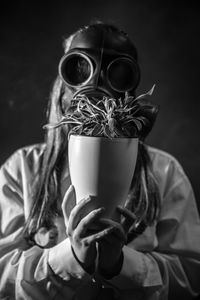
{"x": 162, "y": 263}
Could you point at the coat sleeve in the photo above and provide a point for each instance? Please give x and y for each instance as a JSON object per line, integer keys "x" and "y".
{"x": 30, "y": 273}
{"x": 171, "y": 268}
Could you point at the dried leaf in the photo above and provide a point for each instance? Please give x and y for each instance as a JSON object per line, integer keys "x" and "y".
{"x": 109, "y": 117}
{"x": 97, "y": 130}
{"x": 149, "y": 93}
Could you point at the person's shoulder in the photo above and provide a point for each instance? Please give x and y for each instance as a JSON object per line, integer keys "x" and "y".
{"x": 156, "y": 153}
{"x": 165, "y": 163}
{"x": 31, "y": 154}
{"x": 35, "y": 150}
{"x": 167, "y": 170}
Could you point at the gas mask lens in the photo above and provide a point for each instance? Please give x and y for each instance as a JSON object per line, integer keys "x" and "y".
{"x": 123, "y": 74}
{"x": 77, "y": 69}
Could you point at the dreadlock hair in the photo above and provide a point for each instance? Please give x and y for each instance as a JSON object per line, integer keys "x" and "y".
{"x": 45, "y": 191}
{"x": 144, "y": 197}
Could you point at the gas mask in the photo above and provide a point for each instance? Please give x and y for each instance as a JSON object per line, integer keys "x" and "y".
{"x": 100, "y": 63}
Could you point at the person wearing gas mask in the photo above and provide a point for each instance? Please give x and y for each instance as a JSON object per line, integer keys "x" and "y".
{"x": 47, "y": 250}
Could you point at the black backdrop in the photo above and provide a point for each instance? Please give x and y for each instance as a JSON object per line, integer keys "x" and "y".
{"x": 167, "y": 36}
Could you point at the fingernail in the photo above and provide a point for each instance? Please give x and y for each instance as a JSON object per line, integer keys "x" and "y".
{"x": 86, "y": 199}
{"x": 71, "y": 187}
{"x": 101, "y": 209}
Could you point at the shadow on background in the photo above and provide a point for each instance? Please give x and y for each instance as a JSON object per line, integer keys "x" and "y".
{"x": 167, "y": 38}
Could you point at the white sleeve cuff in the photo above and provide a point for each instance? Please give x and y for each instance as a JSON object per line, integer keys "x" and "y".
{"x": 62, "y": 262}
{"x": 138, "y": 270}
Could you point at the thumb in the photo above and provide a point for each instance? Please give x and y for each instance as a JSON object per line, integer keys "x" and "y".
{"x": 69, "y": 201}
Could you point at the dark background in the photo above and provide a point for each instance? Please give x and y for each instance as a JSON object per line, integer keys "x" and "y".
{"x": 167, "y": 36}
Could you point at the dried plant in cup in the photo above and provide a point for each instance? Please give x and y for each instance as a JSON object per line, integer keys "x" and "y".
{"x": 112, "y": 118}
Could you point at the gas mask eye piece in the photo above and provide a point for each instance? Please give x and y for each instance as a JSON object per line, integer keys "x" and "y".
{"x": 123, "y": 74}
{"x": 80, "y": 70}
{"x": 76, "y": 69}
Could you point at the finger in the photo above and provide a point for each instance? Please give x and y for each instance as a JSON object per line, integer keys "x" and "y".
{"x": 118, "y": 229}
{"x": 75, "y": 215}
{"x": 69, "y": 201}
{"x": 126, "y": 213}
{"x": 129, "y": 218}
{"x": 98, "y": 236}
{"x": 85, "y": 223}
